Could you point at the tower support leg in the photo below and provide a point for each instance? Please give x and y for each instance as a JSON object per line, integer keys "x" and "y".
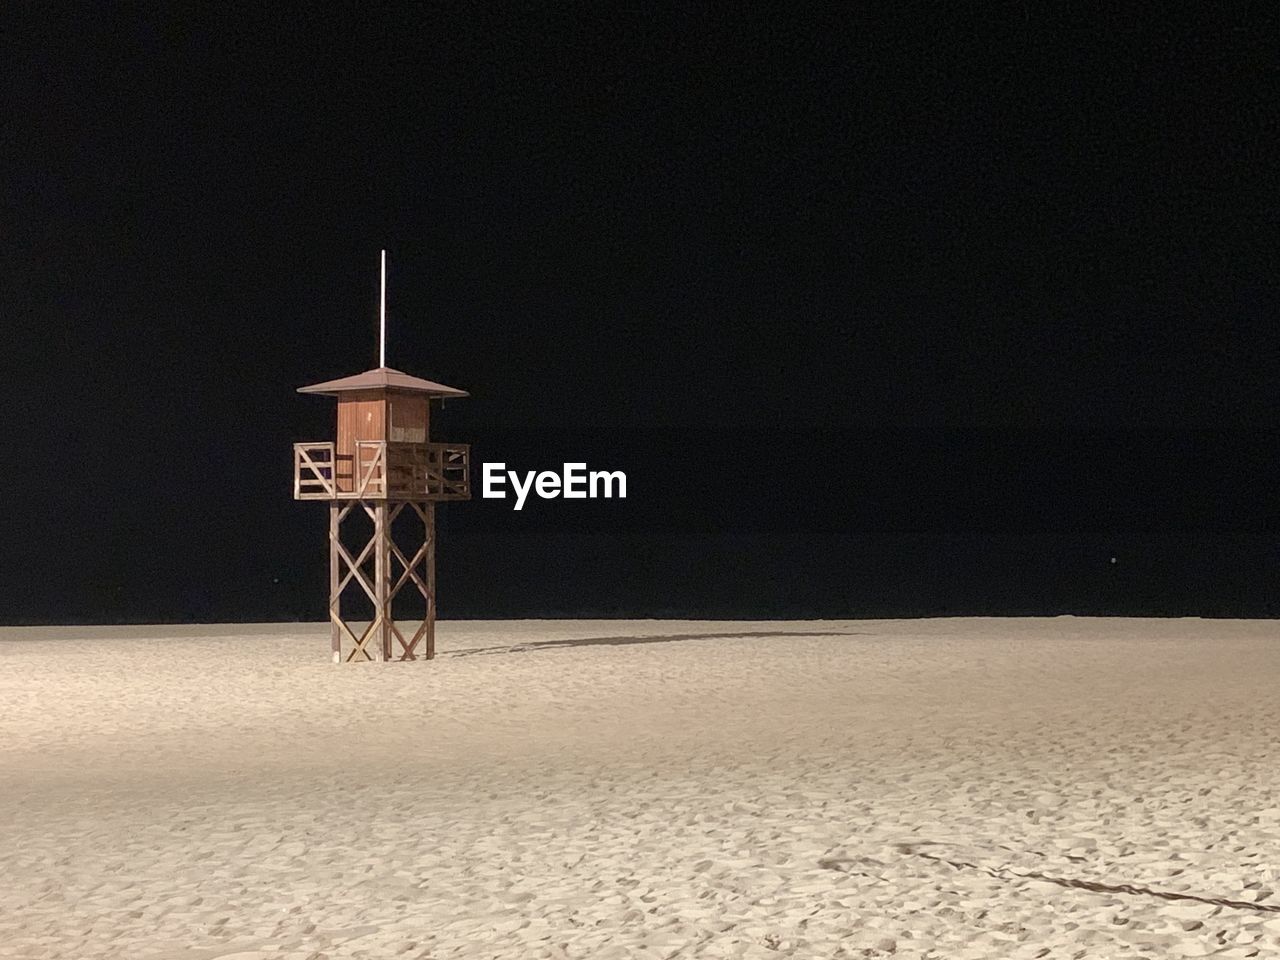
{"x": 335, "y": 592}
{"x": 429, "y": 535}
{"x": 381, "y": 570}
{"x": 394, "y": 569}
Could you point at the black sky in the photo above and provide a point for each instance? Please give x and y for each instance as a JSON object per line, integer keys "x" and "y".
{"x": 1003, "y": 277}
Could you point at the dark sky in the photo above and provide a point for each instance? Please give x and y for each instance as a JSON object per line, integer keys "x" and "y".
{"x": 815, "y": 281}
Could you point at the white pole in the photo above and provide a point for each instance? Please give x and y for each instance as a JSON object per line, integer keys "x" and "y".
{"x": 382, "y": 316}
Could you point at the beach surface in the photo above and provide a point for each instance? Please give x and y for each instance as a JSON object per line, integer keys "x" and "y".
{"x": 950, "y": 788}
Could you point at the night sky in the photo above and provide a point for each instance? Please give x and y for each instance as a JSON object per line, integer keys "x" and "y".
{"x": 960, "y": 311}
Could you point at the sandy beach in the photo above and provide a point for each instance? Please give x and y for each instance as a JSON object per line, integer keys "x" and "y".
{"x": 952, "y": 789}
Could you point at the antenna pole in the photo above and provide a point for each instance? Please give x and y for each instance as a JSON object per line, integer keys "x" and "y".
{"x": 382, "y": 316}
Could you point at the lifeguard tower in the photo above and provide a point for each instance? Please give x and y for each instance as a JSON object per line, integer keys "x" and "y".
{"x": 382, "y": 468}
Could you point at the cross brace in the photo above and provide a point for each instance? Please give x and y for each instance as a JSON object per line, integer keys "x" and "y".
{"x": 382, "y": 639}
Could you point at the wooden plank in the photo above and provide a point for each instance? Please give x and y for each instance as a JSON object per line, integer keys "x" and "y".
{"x": 412, "y": 645}
{"x": 382, "y": 563}
{"x": 362, "y": 643}
{"x": 429, "y": 530}
{"x": 335, "y": 595}
{"x": 410, "y": 571}
{"x": 354, "y": 570}
{"x": 406, "y": 648}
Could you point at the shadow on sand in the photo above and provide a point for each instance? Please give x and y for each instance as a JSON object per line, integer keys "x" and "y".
{"x": 653, "y": 638}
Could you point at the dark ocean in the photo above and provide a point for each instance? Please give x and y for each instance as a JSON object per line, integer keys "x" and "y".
{"x": 715, "y": 525}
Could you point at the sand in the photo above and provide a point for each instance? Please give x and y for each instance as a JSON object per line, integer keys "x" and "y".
{"x": 956, "y": 788}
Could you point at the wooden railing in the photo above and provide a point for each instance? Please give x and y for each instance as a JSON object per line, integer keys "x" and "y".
{"x": 379, "y": 470}
{"x": 314, "y": 471}
{"x": 450, "y": 470}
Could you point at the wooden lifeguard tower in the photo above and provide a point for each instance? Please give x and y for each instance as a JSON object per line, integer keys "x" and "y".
{"x": 381, "y": 465}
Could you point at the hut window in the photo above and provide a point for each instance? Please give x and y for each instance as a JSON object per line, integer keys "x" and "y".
{"x": 408, "y": 420}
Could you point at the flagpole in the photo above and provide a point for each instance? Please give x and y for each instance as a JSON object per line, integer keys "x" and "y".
{"x": 382, "y": 316}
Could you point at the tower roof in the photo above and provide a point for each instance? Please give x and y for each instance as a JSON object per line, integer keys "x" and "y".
{"x": 383, "y": 378}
